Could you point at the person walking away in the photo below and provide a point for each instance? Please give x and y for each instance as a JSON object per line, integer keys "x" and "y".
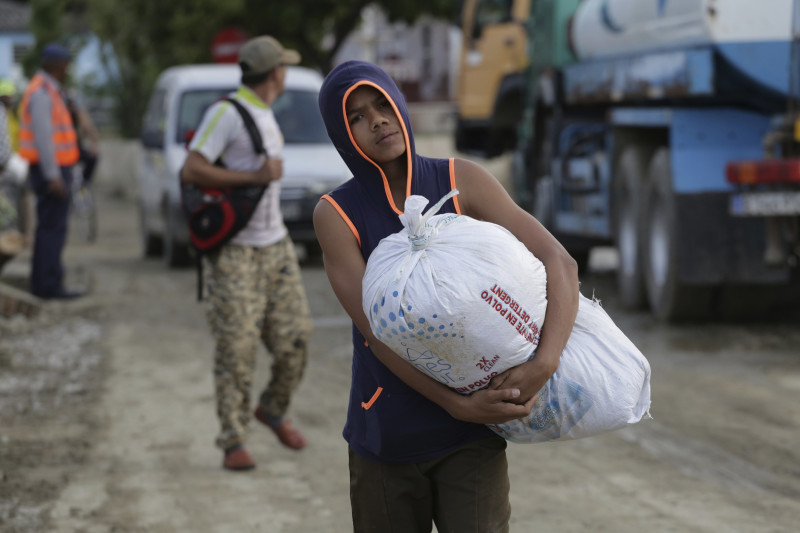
{"x": 83, "y": 201}
{"x": 88, "y": 138}
{"x": 49, "y": 142}
{"x": 254, "y": 286}
{"x": 419, "y": 452}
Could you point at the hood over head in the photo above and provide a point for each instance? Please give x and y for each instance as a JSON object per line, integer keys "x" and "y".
{"x": 337, "y": 86}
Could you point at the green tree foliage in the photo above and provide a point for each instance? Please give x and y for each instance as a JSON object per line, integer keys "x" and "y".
{"x": 147, "y": 36}
{"x": 52, "y": 20}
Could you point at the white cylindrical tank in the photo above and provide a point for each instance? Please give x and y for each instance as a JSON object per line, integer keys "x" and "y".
{"x": 606, "y": 28}
{"x": 752, "y": 35}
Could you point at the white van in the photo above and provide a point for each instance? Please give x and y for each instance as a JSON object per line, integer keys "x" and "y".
{"x": 311, "y": 164}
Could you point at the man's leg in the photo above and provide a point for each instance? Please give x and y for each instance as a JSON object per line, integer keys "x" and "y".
{"x": 471, "y": 489}
{"x": 389, "y": 498}
{"x": 47, "y": 271}
{"x": 234, "y": 311}
{"x": 287, "y": 327}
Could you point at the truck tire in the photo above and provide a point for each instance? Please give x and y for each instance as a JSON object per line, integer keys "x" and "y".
{"x": 669, "y": 299}
{"x": 627, "y": 203}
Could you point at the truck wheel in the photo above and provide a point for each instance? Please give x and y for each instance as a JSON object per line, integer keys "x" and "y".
{"x": 627, "y": 201}
{"x": 176, "y": 254}
{"x": 669, "y": 299}
{"x": 151, "y": 244}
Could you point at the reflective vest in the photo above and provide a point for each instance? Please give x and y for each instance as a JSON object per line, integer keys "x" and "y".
{"x": 13, "y": 129}
{"x": 65, "y": 141}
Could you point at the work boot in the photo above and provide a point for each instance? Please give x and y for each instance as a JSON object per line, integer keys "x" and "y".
{"x": 237, "y": 458}
{"x": 289, "y": 435}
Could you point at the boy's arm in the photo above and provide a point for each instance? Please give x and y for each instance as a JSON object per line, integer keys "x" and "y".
{"x": 345, "y": 268}
{"x": 199, "y": 171}
{"x": 484, "y": 198}
{"x": 219, "y": 125}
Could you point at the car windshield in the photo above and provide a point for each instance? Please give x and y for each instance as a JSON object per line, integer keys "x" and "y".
{"x": 298, "y": 115}
{"x": 296, "y": 111}
{"x": 192, "y": 106}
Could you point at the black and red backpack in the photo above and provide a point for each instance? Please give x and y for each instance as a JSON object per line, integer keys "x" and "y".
{"x": 216, "y": 215}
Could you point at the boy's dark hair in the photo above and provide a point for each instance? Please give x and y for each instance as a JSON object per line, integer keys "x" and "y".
{"x": 253, "y": 79}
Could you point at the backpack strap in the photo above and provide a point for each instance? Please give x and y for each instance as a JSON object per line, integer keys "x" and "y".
{"x": 250, "y": 126}
{"x": 258, "y": 147}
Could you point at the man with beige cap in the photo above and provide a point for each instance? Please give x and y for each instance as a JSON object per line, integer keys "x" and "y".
{"x": 255, "y": 291}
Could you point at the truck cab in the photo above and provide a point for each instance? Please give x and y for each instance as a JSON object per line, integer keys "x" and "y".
{"x": 491, "y": 84}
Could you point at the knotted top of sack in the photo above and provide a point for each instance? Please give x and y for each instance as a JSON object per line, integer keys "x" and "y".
{"x": 420, "y": 233}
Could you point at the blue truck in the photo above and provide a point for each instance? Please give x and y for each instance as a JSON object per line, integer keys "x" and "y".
{"x": 667, "y": 129}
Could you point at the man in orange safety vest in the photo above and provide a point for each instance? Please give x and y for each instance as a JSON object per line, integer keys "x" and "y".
{"x": 47, "y": 139}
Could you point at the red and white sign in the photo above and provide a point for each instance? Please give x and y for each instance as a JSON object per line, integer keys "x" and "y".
{"x": 226, "y": 44}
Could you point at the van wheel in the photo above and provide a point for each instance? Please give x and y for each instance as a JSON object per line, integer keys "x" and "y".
{"x": 176, "y": 254}
{"x": 152, "y": 245}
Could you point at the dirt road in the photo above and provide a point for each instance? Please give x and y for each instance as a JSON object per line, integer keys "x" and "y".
{"x": 107, "y": 420}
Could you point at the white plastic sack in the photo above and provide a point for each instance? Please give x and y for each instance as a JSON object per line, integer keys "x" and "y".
{"x": 16, "y": 170}
{"x": 602, "y": 383}
{"x": 464, "y": 300}
{"x": 460, "y": 299}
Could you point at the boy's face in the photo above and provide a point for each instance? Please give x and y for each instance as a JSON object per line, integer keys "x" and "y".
{"x": 374, "y": 125}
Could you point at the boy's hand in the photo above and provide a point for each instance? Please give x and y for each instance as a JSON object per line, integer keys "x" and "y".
{"x": 488, "y": 406}
{"x": 528, "y": 378}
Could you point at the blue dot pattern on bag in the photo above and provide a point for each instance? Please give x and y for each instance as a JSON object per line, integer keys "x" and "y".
{"x": 398, "y": 326}
{"x": 415, "y": 337}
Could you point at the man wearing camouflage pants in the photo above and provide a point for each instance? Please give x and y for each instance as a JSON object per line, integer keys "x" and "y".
{"x": 254, "y": 286}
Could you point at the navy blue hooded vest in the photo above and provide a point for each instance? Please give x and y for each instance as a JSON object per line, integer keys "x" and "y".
{"x": 387, "y": 421}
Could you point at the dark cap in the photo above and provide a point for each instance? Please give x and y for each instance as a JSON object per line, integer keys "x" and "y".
{"x": 55, "y": 52}
{"x": 262, "y": 54}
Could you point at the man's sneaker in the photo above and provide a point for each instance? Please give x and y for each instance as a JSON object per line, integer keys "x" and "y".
{"x": 237, "y": 458}
{"x": 289, "y": 435}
